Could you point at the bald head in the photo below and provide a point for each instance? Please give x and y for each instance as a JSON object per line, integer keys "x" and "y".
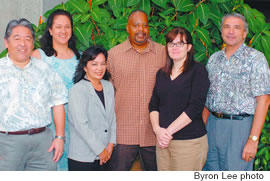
{"x": 134, "y": 13}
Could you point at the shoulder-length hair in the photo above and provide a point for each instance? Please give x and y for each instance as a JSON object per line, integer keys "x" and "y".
{"x": 89, "y": 55}
{"x": 184, "y": 35}
{"x": 46, "y": 40}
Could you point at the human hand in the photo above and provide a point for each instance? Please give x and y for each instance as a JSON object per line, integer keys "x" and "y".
{"x": 58, "y": 146}
{"x": 109, "y": 148}
{"x": 103, "y": 157}
{"x": 250, "y": 150}
{"x": 163, "y": 137}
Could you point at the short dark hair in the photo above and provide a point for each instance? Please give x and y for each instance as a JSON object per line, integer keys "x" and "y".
{"x": 89, "y": 55}
{"x": 184, "y": 34}
{"x": 21, "y": 22}
{"x": 46, "y": 39}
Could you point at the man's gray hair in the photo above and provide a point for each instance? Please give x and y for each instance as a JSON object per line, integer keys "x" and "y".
{"x": 21, "y": 22}
{"x": 236, "y": 15}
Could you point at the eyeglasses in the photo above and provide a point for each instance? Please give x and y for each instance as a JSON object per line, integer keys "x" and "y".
{"x": 178, "y": 44}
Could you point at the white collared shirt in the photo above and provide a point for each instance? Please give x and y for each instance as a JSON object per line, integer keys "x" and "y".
{"x": 27, "y": 95}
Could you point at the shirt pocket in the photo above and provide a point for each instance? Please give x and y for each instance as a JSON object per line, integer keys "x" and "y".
{"x": 9, "y": 88}
{"x": 41, "y": 94}
{"x": 240, "y": 78}
{"x": 4, "y": 89}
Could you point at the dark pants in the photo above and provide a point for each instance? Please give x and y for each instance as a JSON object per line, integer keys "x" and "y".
{"x": 123, "y": 157}
{"x": 74, "y": 165}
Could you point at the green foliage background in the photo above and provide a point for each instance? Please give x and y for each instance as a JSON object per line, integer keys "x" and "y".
{"x": 103, "y": 22}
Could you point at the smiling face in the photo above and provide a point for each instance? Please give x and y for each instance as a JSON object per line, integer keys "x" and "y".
{"x": 61, "y": 29}
{"x": 138, "y": 29}
{"x": 20, "y": 45}
{"x": 178, "y": 48}
{"x": 95, "y": 69}
{"x": 233, "y": 32}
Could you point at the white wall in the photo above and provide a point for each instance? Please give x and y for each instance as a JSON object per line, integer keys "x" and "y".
{"x": 29, "y": 9}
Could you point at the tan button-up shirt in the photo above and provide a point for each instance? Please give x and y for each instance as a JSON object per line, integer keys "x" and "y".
{"x": 133, "y": 76}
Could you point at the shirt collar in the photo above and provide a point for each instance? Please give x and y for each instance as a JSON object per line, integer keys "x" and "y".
{"x": 238, "y": 51}
{"x": 10, "y": 63}
{"x": 85, "y": 78}
{"x": 150, "y": 46}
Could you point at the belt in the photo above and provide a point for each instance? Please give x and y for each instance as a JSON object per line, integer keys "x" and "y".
{"x": 30, "y": 131}
{"x": 230, "y": 116}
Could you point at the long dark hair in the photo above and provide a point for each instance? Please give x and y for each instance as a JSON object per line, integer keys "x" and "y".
{"x": 89, "y": 55}
{"x": 46, "y": 39}
{"x": 184, "y": 35}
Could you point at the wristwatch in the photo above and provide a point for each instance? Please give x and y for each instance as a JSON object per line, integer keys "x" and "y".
{"x": 61, "y": 138}
{"x": 253, "y": 138}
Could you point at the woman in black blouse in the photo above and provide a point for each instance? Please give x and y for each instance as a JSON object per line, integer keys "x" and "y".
{"x": 176, "y": 106}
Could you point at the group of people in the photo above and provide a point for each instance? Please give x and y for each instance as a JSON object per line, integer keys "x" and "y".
{"x": 138, "y": 100}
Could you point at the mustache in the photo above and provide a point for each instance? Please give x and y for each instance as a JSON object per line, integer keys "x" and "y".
{"x": 140, "y": 32}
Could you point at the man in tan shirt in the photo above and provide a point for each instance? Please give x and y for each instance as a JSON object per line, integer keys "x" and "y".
{"x": 133, "y": 65}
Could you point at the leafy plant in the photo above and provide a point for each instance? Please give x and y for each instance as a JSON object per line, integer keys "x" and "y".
{"x": 262, "y": 160}
{"x": 103, "y": 22}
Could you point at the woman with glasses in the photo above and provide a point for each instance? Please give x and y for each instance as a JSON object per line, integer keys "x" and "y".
{"x": 176, "y": 106}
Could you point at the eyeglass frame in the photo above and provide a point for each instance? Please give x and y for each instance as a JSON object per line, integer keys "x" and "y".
{"x": 178, "y": 44}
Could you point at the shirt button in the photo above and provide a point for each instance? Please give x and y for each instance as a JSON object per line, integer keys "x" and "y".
{"x": 106, "y": 131}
